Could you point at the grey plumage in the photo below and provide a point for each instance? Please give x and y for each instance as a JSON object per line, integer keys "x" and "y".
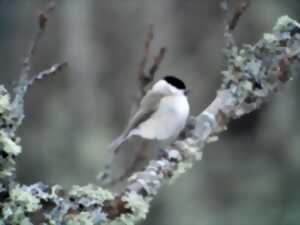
{"x": 147, "y": 107}
{"x": 161, "y": 115}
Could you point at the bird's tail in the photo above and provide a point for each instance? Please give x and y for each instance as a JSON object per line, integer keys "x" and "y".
{"x": 113, "y": 149}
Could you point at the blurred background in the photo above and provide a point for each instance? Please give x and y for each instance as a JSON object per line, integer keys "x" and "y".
{"x": 249, "y": 177}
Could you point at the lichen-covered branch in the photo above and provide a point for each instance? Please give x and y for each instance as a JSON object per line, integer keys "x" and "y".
{"x": 17, "y": 112}
{"x": 253, "y": 75}
{"x": 12, "y": 111}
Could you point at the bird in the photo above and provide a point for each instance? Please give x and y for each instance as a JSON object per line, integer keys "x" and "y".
{"x": 162, "y": 113}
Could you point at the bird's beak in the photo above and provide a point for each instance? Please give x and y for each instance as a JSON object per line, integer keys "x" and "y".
{"x": 187, "y": 92}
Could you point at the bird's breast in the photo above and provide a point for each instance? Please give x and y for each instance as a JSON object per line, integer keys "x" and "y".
{"x": 169, "y": 119}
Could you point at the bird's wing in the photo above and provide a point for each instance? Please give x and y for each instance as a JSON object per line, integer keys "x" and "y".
{"x": 147, "y": 107}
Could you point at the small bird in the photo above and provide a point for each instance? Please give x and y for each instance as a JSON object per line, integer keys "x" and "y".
{"x": 162, "y": 113}
{"x": 161, "y": 116}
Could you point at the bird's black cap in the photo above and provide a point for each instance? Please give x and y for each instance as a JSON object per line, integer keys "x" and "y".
{"x": 175, "y": 82}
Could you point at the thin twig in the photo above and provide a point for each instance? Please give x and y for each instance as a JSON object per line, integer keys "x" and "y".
{"x": 25, "y": 81}
{"x": 225, "y": 6}
{"x": 145, "y": 78}
{"x": 233, "y": 21}
{"x": 156, "y": 62}
{"x": 42, "y": 22}
{"x": 141, "y": 68}
{"x": 51, "y": 71}
{"x": 18, "y": 103}
{"x": 241, "y": 9}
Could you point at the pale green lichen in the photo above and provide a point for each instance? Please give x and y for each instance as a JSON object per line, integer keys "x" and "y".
{"x": 84, "y": 218}
{"x": 54, "y": 190}
{"x": 24, "y": 198}
{"x": 283, "y": 24}
{"x": 4, "y": 100}
{"x": 91, "y": 191}
{"x": 137, "y": 204}
{"x": 212, "y": 139}
{"x": 125, "y": 219}
{"x": 191, "y": 150}
{"x": 253, "y": 67}
{"x": 270, "y": 38}
{"x": 239, "y": 60}
{"x": 13, "y": 214}
{"x": 182, "y": 167}
{"x": 26, "y": 221}
{"x": 15, "y": 211}
{"x": 139, "y": 207}
{"x": 7, "y": 211}
{"x": 8, "y": 171}
{"x": 251, "y": 79}
{"x": 9, "y": 146}
{"x": 247, "y": 85}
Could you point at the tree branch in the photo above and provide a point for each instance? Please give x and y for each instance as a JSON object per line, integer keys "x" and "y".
{"x": 144, "y": 77}
{"x": 233, "y": 20}
{"x": 25, "y": 81}
{"x": 253, "y": 75}
{"x": 239, "y": 11}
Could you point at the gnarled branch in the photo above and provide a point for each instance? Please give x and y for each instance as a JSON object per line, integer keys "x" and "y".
{"x": 253, "y": 75}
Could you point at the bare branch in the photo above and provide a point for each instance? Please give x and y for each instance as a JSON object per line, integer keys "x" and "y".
{"x": 147, "y": 43}
{"x": 52, "y": 70}
{"x": 25, "y": 81}
{"x": 42, "y": 22}
{"x": 156, "y": 62}
{"x": 145, "y": 78}
{"x": 225, "y": 6}
{"x": 232, "y": 22}
{"x": 241, "y": 9}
